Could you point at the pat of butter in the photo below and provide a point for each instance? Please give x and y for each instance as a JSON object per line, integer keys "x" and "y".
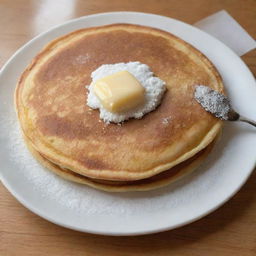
{"x": 119, "y": 92}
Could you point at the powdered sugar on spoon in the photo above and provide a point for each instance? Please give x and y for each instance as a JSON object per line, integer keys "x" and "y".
{"x": 218, "y": 104}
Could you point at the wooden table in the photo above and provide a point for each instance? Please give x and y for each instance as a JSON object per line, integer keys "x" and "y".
{"x": 231, "y": 230}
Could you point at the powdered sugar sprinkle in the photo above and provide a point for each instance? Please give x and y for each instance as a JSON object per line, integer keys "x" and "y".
{"x": 166, "y": 120}
{"x": 213, "y": 101}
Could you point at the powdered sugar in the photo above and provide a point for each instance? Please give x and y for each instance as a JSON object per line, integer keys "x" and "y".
{"x": 154, "y": 90}
{"x": 166, "y": 120}
{"x": 213, "y": 101}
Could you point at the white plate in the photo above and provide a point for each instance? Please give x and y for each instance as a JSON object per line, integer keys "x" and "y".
{"x": 85, "y": 209}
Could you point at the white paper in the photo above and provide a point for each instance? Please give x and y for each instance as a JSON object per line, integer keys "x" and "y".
{"x": 222, "y": 26}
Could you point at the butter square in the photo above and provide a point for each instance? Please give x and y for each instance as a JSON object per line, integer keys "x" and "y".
{"x": 119, "y": 92}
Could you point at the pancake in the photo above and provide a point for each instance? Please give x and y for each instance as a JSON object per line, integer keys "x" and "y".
{"x": 157, "y": 181}
{"x": 51, "y": 104}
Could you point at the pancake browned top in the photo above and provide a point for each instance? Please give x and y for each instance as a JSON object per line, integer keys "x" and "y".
{"x": 51, "y": 103}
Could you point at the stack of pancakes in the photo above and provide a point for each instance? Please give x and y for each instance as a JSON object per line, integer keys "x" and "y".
{"x": 68, "y": 137}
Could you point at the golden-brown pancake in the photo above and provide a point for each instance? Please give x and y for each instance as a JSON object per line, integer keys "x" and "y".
{"x": 157, "y": 181}
{"x": 51, "y": 104}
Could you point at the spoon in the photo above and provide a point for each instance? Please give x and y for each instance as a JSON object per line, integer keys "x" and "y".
{"x": 218, "y": 104}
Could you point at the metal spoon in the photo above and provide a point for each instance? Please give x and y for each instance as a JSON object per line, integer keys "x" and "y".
{"x": 218, "y": 104}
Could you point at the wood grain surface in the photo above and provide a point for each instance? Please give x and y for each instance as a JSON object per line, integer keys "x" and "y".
{"x": 231, "y": 230}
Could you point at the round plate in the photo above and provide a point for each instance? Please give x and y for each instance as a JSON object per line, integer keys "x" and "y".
{"x": 86, "y": 209}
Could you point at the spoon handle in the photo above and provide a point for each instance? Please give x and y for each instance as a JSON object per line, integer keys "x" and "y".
{"x": 246, "y": 120}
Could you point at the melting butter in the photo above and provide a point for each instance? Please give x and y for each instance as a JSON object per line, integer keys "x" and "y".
{"x": 119, "y": 92}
